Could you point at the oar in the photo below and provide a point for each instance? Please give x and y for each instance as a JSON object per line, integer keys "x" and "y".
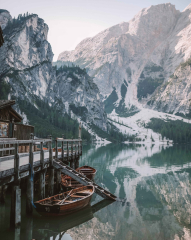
{"x": 66, "y": 197}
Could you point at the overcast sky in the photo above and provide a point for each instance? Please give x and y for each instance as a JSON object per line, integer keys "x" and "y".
{"x": 70, "y": 21}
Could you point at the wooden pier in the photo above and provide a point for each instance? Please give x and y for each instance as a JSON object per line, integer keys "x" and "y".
{"x": 14, "y": 168}
{"x": 21, "y": 169}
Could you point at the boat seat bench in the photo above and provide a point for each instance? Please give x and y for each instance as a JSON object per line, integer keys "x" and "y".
{"x": 76, "y": 196}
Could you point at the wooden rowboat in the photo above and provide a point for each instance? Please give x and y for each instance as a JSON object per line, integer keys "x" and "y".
{"x": 89, "y": 172}
{"x": 43, "y": 226}
{"x": 69, "y": 182}
{"x": 65, "y": 203}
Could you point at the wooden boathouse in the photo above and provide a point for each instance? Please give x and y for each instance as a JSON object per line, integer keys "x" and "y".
{"x": 10, "y": 122}
{"x": 11, "y": 126}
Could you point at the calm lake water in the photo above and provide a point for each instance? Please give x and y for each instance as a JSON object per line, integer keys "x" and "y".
{"x": 155, "y": 180}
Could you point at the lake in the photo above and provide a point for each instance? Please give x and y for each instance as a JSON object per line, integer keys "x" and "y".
{"x": 153, "y": 180}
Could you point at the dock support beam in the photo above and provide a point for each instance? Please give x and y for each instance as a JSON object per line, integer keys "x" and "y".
{"x": 51, "y": 176}
{"x": 77, "y": 163}
{"x": 51, "y": 182}
{"x": 29, "y": 229}
{"x": 58, "y": 181}
{"x": 42, "y": 174}
{"x": 72, "y": 164}
{"x": 30, "y": 185}
{"x": 56, "y": 149}
{"x": 72, "y": 149}
{"x": 41, "y": 194}
{"x": 3, "y": 190}
{"x": 62, "y": 148}
{"x": 67, "y": 152}
{"x": 15, "y": 215}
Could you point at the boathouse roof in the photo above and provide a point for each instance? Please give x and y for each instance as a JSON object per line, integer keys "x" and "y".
{"x": 7, "y": 104}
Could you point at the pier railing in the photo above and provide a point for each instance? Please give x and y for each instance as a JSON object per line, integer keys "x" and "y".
{"x": 18, "y": 165}
{"x": 68, "y": 147}
{"x": 65, "y": 149}
{"x": 22, "y": 159}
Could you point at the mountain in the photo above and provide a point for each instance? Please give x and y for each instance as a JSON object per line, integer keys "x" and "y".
{"x": 79, "y": 94}
{"x": 132, "y": 62}
{"x": 27, "y": 75}
{"x": 174, "y": 95}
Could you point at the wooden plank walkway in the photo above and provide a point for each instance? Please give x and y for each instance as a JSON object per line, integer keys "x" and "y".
{"x": 6, "y": 164}
{"x": 70, "y": 150}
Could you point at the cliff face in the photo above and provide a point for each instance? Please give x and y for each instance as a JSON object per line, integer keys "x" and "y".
{"x": 174, "y": 95}
{"x": 79, "y": 94}
{"x": 131, "y": 60}
{"x": 26, "y": 56}
{"x": 26, "y": 65}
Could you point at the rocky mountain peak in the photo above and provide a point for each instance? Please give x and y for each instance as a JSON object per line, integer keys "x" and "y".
{"x": 154, "y": 21}
{"x": 188, "y": 7}
{"x": 5, "y": 17}
{"x": 26, "y": 66}
{"x": 95, "y": 43}
{"x": 129, "y": 61}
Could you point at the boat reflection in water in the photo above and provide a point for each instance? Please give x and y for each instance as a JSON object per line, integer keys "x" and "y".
{"x": 45, "y": 228}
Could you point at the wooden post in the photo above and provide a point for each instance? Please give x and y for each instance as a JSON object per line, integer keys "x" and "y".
{"x": 41, "y": 155}
{"x": 29, "y": 228}
{"x": 17, "y": 233}
{"x": 77, "y": 163}
{"x": 62, "y": 148}
{"x": 50, "y": 152}
{"x": 80, "y": 131}
{"x": 67, "y": 152}
{"x": 51, "y": 175}
{"x": 81, "y": 147}
{"x": 16, "y": 165}
{"x": 30, "y": 186}
{"x": 51, "y": 182}
{"x": 15, "y": 217}
{"x": 18, "y": 206}
{"x": 75, "y": 150}
{"x": 16, "y": 211}
{"x": 56, "y": 149}
{"x": 78, "y": 148}
{"x": 3, "y": 190}
{"x": 72, "y": 149}
{"x": 58, "y": 181}
{"x": 72, "y": 164}
{"x": 1, "y": 153}
{"x": 42, "y": 174}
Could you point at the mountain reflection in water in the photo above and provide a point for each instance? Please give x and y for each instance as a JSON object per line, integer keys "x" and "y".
{"x": 154, "y": 179}
{"x": 56, "y": 227}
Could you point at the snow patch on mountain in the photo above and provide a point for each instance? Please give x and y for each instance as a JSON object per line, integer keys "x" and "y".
{"x": 135, "y": 125}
